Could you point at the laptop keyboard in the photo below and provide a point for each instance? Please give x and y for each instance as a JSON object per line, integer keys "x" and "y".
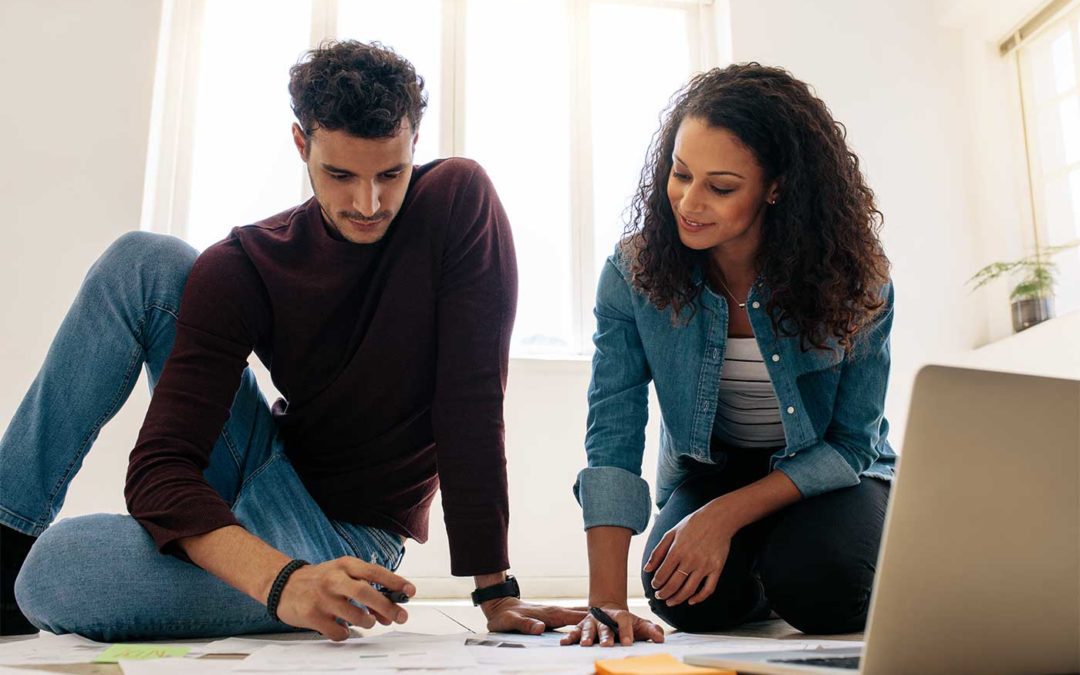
{"x": 845, "y": 662}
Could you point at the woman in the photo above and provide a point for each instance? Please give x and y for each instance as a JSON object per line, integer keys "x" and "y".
{"x": 752, "y": 290}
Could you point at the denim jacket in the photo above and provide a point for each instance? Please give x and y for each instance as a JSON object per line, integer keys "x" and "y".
{"x": 831, "y": 401}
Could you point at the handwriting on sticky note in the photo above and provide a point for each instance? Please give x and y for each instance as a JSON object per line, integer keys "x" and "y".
{"x": 139, "y": 653}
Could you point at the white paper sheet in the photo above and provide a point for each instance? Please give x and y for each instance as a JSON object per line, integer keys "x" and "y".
{"x": 554, "y": 638}
{"x": 252, "y": 643}
{"x": 509, "y": 640}
{"x": 4, "y": 670}
{"x": 51, "y": 649}
{"x": 178, "y": 666}
{"x": 236, "y": 645}
{"x": 677, "y": 644}
{"x": 389, "y": 651}
{"x": 537, "y": 653}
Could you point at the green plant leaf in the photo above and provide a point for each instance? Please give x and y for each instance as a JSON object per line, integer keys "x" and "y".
{"x": 1040, "y": 272}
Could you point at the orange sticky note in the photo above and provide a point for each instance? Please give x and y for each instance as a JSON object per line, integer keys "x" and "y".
{"x": 654, "y": 664}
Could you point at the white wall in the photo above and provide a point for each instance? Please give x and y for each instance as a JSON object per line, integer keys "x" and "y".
{"x": 78, "y": 78}
{"x": 897, "y": 74}
{"x": 545, "y": 423}
{"x": 892, "y": 76}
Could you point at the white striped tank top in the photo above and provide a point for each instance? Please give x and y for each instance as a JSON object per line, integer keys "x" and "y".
{"x": 748, "y": 414}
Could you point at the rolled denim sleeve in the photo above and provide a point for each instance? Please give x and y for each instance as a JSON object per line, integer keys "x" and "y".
{"x": 611, "y": 490}
{"x": 612, "y": 496}
{"x": 851, "y": 441}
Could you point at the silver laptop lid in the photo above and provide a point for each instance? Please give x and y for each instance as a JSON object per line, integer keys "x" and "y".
{"x": 980, "y": 565}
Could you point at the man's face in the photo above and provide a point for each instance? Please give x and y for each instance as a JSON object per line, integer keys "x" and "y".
{"x": 359, "y": 183}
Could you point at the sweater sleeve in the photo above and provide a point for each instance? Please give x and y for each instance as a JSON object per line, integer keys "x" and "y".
{"x": 216, "y": 329}
{"x": 477, "y": 299}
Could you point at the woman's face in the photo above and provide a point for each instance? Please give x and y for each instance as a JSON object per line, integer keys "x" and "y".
{"x": 717, "y": 189}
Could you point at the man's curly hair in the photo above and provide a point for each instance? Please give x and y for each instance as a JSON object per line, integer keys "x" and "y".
{"x": 364, "y": 89}
{"x": 820, "y": 254}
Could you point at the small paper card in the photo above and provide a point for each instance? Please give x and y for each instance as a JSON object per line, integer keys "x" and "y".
{"x": 139, "y": 653}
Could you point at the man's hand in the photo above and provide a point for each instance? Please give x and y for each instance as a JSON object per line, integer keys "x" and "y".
{"x": 589, "y": 631}
{"x": 317, "y": 596}
{"x": 510, "y": 615}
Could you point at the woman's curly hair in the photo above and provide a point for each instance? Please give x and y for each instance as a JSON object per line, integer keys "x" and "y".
{"x": 820, "y": 253}
{"x": 365, "y": 89}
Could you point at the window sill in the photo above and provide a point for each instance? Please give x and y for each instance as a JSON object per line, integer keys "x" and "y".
{"x": 1051, "y": 348}
{"x": 551, "y": 363}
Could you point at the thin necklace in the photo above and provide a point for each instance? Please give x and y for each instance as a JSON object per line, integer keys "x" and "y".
{"x": 742, "y": 305}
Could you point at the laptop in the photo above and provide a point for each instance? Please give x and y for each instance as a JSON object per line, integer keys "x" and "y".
{"x": 979, "y": 569}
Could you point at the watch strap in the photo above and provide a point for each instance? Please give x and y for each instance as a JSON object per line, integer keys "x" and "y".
{"x": 506, "y": 589}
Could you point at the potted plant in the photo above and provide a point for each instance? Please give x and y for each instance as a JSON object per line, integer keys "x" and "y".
{"x": 1033, "y": 297}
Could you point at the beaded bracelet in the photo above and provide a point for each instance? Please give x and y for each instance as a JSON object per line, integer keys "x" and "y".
{"x": 279, "y": 585}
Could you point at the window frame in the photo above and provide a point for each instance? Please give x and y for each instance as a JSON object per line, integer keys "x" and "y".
{"x": 1056, "y": 17}
{"x": 167, "y": 188}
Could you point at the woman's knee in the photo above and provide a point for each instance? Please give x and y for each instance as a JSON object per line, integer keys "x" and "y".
{"x": 733, "y": 603}
{"x": 705, "y": 617}
{"x": 818, "y": 562}
{"x": 820, "y": 596}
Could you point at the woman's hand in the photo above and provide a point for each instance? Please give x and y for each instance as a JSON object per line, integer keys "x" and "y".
{"x": 589, "y": 631}
{"x": 316, "y": 596}
{"x": 688, "y": 560}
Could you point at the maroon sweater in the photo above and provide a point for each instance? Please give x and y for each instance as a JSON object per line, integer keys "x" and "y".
{"x": 391, "y": 359}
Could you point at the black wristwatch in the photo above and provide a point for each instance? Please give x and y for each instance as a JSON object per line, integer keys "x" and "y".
{"x": 507, "y": 589}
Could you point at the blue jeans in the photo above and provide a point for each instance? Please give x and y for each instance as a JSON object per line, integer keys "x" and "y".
{"x": 101, "y": 575}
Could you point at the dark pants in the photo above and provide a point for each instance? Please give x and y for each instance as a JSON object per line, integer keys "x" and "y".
{"x": 812, "y": 562}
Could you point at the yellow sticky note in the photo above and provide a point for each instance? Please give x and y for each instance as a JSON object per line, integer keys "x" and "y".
{"x": 654, "y": 664}
{"x": 139, "y": 653}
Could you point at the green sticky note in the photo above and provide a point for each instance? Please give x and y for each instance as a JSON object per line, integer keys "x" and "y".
{"x": 139, "y": 653}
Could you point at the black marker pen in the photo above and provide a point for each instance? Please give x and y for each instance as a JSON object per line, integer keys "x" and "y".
{"x": 398, "y": 597}
{"x": 602, "y": 616}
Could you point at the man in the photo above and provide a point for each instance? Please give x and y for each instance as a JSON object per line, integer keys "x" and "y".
{"x": 383, "y": 309}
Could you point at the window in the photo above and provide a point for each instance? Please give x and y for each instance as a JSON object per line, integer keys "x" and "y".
{"x": 1049, "y": 66}
{"x": 558, "y": 100}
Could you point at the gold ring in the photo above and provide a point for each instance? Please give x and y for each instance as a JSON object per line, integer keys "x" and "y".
{"x": 681, "y": 572}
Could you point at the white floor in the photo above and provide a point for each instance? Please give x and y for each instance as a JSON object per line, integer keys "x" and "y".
{"x": 425, "y": 617}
